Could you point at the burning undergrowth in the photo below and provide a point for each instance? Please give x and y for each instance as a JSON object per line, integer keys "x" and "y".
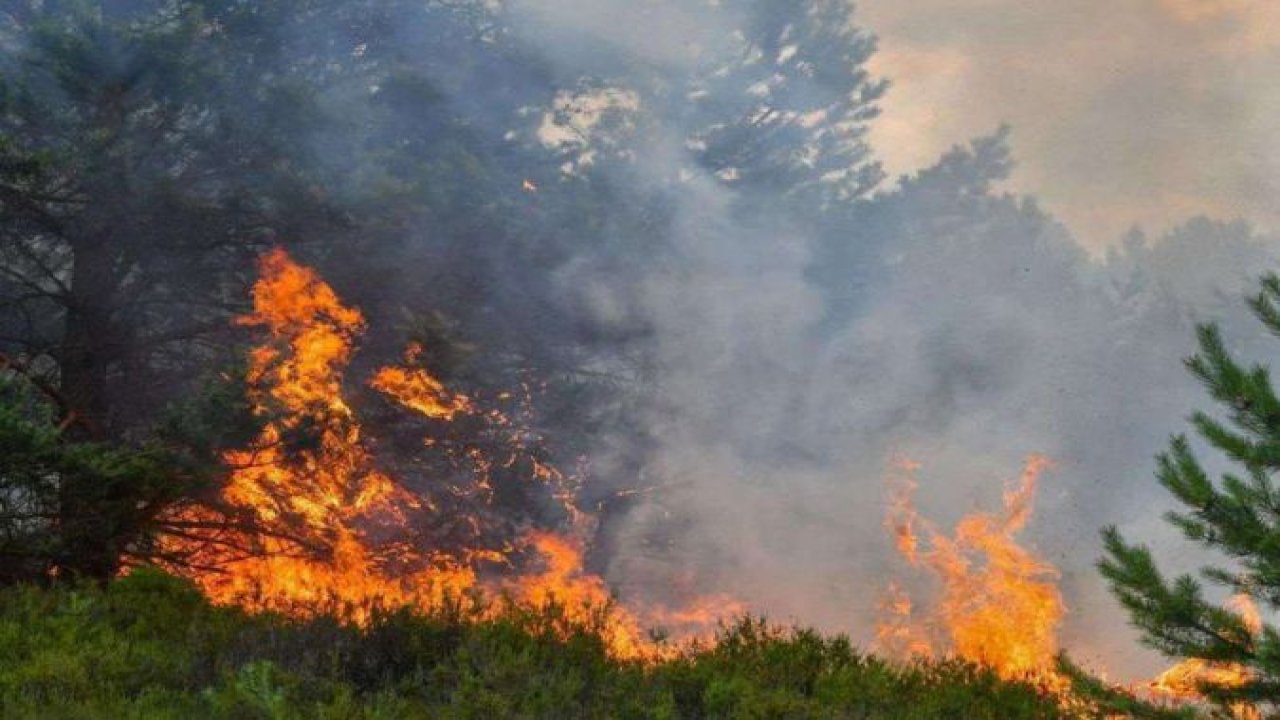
{"x": 995, "y": 602}
{"x": 1183, "y": 682}
{"x": 332, "y": 521}
{"x": 333, "y": 528}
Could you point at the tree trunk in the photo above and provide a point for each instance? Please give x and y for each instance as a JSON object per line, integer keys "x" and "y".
{"x": 87, "y": 343}
{"x": 86, "y": 527}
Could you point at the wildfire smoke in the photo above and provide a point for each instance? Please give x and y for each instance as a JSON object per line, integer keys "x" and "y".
{"x": 334, "y": 531}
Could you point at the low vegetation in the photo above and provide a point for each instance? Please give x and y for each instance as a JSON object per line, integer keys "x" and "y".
{"x": 150, "y": 646}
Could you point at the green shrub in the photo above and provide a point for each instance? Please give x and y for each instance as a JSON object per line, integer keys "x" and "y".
{"x": 150, "y": 646}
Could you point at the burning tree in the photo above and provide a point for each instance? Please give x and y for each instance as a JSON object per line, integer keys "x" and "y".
{"x": 149, "y": 151}
{"x": 329, "y": 529}
{"x": 1233, "y": 654}
{"x": 145, "y": 159}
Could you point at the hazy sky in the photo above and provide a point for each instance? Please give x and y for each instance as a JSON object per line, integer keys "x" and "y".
{"x": 1124, "y": 111}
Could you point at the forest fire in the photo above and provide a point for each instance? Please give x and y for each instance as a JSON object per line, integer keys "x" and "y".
{"x": 335, "y": 528}
{"x": 998, "y": 604}
{"x": 308, "y": 478}
{"x": 479, "y": 357}
{"x": 334, "y": 532}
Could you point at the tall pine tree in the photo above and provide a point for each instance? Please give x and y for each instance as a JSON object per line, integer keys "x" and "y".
{"x": 1236, "y": 515}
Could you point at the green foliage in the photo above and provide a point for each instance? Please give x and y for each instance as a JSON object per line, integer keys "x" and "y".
{"x": 145, "y": 157}
{"x": 149, "y": 646}
{"x": 1116, "y": 701}
{"x": 119, "y": 488}
{"x": 71, "y": 507}
{"x": 1237, "y": 515}
{"x": 757, "y": 670}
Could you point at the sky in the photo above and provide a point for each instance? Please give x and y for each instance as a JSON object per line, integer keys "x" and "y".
{"x": 1124, "y": 112}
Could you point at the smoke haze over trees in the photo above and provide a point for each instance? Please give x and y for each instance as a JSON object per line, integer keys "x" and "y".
{"x": 666, "y": 214}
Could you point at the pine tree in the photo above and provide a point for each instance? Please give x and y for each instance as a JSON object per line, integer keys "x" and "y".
{"x": 132, "y": 496}
{"x": 1236, "y": 515}
{"x": 148, "y": 151}
{"x": 787, "y": 113}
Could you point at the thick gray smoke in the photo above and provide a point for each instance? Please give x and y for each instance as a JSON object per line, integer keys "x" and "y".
{"x": 980, "y": 332}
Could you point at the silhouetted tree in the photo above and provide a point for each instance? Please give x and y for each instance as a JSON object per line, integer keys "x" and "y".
{"x": 786, "y": 111}
{"x": 77, "y": 508}
{"x": 144, "y": 159}
{"x": 148, "y": 151}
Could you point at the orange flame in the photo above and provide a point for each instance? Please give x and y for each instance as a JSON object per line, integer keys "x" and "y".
{"x": 1182, "y": 681}
{"x": 999, "y": 604}
{"x": 582, "y": 596}
{"x": 308, "y": 476}
{"x": 417, "y": 390}
{"x": 899, "y": 633}
{"x": 309, "y": 481}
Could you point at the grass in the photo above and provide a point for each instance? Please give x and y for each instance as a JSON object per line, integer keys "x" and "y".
{"x": 150, "y": 646}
